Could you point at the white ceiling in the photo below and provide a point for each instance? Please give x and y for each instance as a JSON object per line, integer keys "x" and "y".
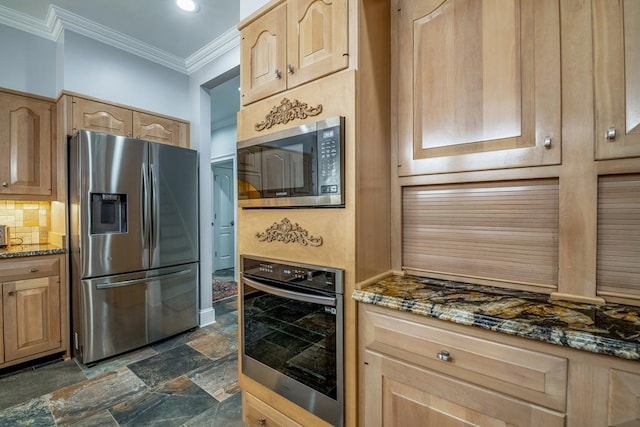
{"x": 155, "y": 29}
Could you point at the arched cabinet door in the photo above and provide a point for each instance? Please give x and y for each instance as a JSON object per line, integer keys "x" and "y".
{"x": 318, "y": 43}
{"x": 478, "y": 84}
{"x": 616, "y": 57}
{"x": 25, "y": 143}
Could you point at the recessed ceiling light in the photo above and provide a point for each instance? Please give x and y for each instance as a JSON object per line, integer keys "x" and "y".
{"x": 188, "y": 5}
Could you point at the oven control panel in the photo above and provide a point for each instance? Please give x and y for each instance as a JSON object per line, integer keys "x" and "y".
{"x": 318, "y": 277}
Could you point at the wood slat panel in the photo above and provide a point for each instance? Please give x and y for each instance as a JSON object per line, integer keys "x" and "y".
{"x": 505, "y": 231}
{"x": 618, "y": 262}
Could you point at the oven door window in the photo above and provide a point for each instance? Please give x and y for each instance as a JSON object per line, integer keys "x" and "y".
{"x": 296, "y": 338}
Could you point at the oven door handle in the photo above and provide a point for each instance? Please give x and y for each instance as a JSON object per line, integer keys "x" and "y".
{"x": 297, "y": 296}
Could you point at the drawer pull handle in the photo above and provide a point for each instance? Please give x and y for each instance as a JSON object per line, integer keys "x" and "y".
{"x": 261, "y": 421}
{"x": 444, "y": 356}
{"x": 33, "y": 270}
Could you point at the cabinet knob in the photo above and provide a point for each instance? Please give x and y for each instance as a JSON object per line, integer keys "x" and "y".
{"x": 289, "y": 68}
{"x": 5, "y": 185}
{"x": 444, "y": 356}
{"x": 611, "y": 134}
{"x": 261, "y": 421}
{"x": 33, "y": 270}
{"x": 10, "y": 293}
{"x": 547, "y": 141}
{"x": 278, "y": 74}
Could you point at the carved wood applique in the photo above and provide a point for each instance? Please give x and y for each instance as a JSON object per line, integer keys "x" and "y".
{"x": 286, "y": 232}
{"x": 286, "y": 112}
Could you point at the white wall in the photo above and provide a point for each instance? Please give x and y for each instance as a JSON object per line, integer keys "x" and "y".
{"x": 223, "y": 142}
{"x": 95, "y": 69}
{"x": 28, "y": 62}
{"x": 200, "y": 115}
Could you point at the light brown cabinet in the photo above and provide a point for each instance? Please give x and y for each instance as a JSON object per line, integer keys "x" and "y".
{"x": 415, "y": 374}
{"x": 616, "y": 45}
{"x": 257, "y": 413}
{"x": 117, "y": 120}
{"x": 293, "y": 43}
{"x": 34, "y": 309}
{"x": 478, "y": 85}
{"x": 26, "y": 138}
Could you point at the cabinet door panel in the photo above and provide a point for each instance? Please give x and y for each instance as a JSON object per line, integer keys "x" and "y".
{"x": 159, "y": 129}
{"x": 31, "y": 316}
{"x": 263, "y": 56}
{"x": 414, "y": 396}
{"x": 617, "y": 77}
{"x": 100, "y": 117}
{"x": 479, "y": 85}
{"x": 317, "y": 42}
{"x": 25, "y": 143}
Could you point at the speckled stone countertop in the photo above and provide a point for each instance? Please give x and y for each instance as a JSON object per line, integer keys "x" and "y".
{"x": 612, "y": 329}
{"x": 16, "y": 251}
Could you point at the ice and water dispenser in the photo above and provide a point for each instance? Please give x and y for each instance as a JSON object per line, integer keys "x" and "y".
{"x": 108, "y": 213}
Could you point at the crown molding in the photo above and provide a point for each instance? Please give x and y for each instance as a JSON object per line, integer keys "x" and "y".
{"x": 214, "y": 49}
{"x": 26, "y": 23}
{"x": 59, "y": 19}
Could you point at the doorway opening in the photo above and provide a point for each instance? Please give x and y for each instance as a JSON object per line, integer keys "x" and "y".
{"x": 225, "y": 104}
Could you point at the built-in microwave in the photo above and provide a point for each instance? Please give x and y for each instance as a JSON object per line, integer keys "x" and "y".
{"x": 297, "y": 167}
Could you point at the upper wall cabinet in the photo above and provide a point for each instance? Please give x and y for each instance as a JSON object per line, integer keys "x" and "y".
{"x": 478, "y": 86}
{"x": 116, "y": 120}
{"x": 294, "y": 43}
{"x": 101, "y": 117}
{"x": 617, "y": 78}
{"x": 25, "y": 145}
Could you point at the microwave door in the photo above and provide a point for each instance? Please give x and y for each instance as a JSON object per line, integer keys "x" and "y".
{"x": 288, "y": 167}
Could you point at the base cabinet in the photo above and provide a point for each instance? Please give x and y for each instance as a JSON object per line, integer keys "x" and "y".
{"x": 419, "y": 371}
{"x": 33, "y": 319}
{"x": 408, "y": 395}
{"x": 257, "y": 413}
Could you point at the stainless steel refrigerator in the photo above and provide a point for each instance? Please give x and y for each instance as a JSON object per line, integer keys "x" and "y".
{"x": 133, "y": 219}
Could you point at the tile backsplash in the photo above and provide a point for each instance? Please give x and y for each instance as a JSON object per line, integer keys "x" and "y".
{"x": 29, "y": 222}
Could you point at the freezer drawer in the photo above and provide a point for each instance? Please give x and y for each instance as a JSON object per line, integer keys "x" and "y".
{"x": 124, "y": 312}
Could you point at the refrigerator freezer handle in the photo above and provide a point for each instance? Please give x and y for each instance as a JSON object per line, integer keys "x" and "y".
{"x": 142, "y": 280}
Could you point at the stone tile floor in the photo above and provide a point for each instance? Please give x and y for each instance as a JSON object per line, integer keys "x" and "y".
{"x": 188, "y": 380}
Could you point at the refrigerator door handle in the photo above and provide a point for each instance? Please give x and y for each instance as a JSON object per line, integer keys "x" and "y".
{"x": 154, "y": 211}
{"x": 144, "y": 279}
{"x": 145, "y": 207}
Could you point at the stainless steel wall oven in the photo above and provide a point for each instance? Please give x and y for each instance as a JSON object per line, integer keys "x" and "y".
{"x": 292, "y": 332}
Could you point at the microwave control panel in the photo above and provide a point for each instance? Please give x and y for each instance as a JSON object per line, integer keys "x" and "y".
{"x": 329, "y": 160}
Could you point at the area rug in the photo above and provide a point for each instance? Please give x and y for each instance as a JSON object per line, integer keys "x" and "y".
{"x": 223, "y": 289}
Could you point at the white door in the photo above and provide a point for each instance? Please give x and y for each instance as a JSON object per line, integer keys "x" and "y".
{"x": 223, "y": 215}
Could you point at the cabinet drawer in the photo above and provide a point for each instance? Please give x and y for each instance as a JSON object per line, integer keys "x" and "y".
{"x": 258, "y": 413}
{"x": 29, "y": 268}
{"x": 535, "y": 377}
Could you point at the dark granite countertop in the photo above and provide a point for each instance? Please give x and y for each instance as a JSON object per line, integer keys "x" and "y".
{"x": 16, "y": 251}
{"x": 612, "y": 329}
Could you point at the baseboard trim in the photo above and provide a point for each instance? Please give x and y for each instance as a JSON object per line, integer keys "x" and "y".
{"x": 207, "y": 317}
